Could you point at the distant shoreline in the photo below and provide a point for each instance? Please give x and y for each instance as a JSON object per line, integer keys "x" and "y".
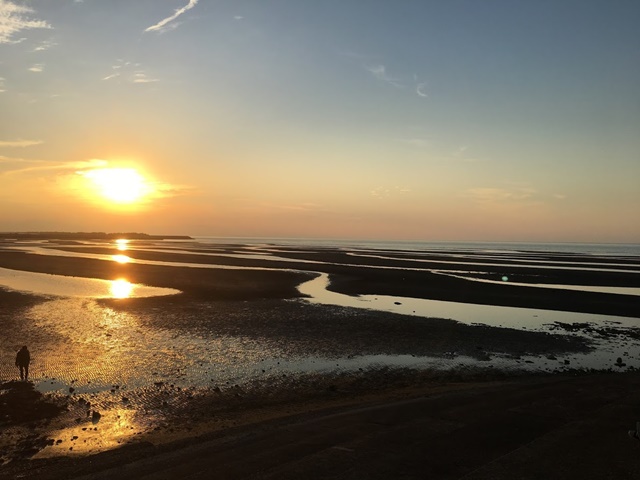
{"x": 87, "y": 236}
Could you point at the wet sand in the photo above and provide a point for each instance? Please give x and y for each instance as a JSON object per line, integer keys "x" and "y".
{"x": 264, "y": 308}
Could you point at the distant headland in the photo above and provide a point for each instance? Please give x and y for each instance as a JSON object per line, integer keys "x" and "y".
{"x": 87, "y": 236}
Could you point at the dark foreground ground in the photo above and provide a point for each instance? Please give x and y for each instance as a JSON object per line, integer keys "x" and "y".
{"x": 555, "y": 427}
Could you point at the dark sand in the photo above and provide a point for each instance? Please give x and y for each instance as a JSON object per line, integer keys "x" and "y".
{"x": 469, "y": 422}
{"x": 560, "y": 427}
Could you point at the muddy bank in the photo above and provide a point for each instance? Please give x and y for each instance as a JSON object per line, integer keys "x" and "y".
{"x": 330, "y": 331}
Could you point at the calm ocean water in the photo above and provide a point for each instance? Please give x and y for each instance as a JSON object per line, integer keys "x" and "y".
{"x": 613, "y": 249}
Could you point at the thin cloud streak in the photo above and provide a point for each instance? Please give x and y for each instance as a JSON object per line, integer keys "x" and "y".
{"x": 19, "y": 143}
{"x": 161, "y": 26}
{"x": 141, "y": 77}
{"x": 15, "y": 18}
{"x": 44, "y": 166}
{"x": 129, "y": 72}
{"x": 380, "y": 72}
{"x": 386, "y": 192}
{"x": 420, "y": 90}
{"x": 484, "y": 195}
{"x": 46, "y": 45}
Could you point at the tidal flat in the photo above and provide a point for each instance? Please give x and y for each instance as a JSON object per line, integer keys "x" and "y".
{"x": 170, "y": 340}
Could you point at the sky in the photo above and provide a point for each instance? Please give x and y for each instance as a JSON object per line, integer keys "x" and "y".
{"x": 432, "y": 120}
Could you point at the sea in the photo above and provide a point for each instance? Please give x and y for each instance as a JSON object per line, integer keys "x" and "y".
{"x": 607, "y": 249}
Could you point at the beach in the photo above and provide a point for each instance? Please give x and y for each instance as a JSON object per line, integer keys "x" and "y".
{"x": 241, "y": 343}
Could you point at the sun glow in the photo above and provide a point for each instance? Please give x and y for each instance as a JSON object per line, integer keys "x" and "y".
{"x": 119, "y": 185}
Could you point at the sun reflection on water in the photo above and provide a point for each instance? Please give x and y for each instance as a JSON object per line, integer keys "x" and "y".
{"x": 121, "y": 288}
{"x": 122, "y": 244}
{"x": 116, "y": 426}
{"x": 121, "y": 258}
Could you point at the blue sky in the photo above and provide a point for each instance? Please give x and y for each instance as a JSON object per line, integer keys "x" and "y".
{"x": 417, "y": 120}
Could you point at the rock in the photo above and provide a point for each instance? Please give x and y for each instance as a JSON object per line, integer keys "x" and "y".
{"x": 95, "y": 417}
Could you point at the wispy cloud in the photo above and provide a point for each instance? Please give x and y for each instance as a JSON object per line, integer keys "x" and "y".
{"x": 386, "y": 192}
{"x": 165, "y": 24}
{"x": 16, "y": 167}
{"x": 301, "y": 207}
{"x": 486, "y": 195}
{"x": 37, "y": 68}
{"x": 141, "y": 77}
{"x": 25, "y": 166}
{"x": 15, "y": 18}
{"x": 415, "y": 142}
{"x": 46, "y": 45}
{"x": 380, "y": 72}
{"x": 2, "y": 89}
{"x": 421, "y": 89}
{"x": 19, "y": 143}
{"x": 459, "y": 152}
{"x": 129, "y": 72}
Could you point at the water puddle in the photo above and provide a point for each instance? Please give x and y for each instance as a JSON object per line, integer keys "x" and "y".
{"x": 60, "y": 285}
{"x": 495, "y": 316}
{"x": 614, "y": 337}
{"x": 114, "y": 427}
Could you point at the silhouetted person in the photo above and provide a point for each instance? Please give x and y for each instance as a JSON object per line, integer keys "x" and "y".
{"x": 23, "y": 358}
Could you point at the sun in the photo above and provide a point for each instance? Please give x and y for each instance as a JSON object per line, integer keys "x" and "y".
{"x": 118, "y": 185}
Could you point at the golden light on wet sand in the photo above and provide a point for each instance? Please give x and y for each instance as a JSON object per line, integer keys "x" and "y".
{"x": 121, "y": 288}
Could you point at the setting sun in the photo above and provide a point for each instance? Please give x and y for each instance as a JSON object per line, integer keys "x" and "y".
{"x": 119, "y": 185}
